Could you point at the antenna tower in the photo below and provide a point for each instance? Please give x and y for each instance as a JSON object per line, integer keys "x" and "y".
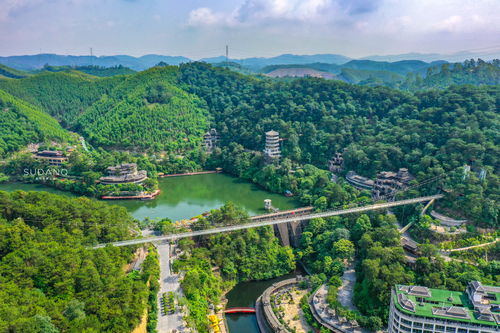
{"x": 227, "y": 56}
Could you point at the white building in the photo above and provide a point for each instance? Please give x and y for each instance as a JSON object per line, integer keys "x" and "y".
{"x": 272, "y": 149}
{"x": 416, "y": 309}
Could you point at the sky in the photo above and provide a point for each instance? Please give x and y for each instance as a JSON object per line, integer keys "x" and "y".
{"x": 202, "y": 28}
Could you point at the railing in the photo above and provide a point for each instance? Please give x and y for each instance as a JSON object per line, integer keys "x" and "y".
{"x": 240, "y": 310}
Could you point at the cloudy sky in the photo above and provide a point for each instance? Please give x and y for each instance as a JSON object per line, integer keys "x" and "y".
{"x": 202, "y": 28}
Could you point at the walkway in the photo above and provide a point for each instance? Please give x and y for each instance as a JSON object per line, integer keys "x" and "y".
{"x": 346, "y": 290}
{"x": 168, "y": 282}
{"x": 472, "y": 247}
{"x": 448, "y": 221}
{"x": 273, "y": 222}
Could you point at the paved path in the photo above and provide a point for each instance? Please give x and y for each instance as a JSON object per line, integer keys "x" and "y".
{"x": 346, "y": 290}
{"x": 168, "y": 282}
{"x": 473, "y": 246}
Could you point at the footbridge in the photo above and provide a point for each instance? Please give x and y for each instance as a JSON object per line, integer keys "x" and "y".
{"x": 240, "y": 310}
{"x": 272, "y": 221}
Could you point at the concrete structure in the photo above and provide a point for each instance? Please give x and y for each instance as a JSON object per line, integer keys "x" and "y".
{"x": 264, "y": 305}
{"x": 416, "y": 309}
{"x": 389, "y": 183}
{"x": 54, "y": 157}
{"x": 210, "y": 140}
{"x": 272, "y": 149}
{"x": 124, "y": 173}
{"x": 270, "y": 221}
{"x": 268, "y": 204}
{"x": 327, "y": 316}
{"x": 447, "y": 221}
{"x": 336, "y": 164}
{"x": 359, "y": 182}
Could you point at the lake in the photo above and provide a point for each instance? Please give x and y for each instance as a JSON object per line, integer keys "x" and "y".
{"x": 187, "y": 196}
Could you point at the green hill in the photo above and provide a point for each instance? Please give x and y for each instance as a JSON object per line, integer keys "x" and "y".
{"x": 469, "y": 72}
{"x": 369, "y": 77}
{"x": 11, "y": 72}
{"x": 22, "y": 123}
{"x": 146, "y": 111}
{"x": 62, "y": 95}
{"x": 91, "y": 70}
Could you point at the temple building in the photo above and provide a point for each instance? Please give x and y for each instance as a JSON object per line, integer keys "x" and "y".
{"x": 272, "y": 149}
{"x": 416, "y": 309}
{"x": 124, "y": 173}
{"x": 210, "y": 140}
{"x": 388, "y": 183}
{"x": 54, "y": 157}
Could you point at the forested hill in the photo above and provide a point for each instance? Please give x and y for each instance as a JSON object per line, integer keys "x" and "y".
{"x": 51, "y": 281}
{"x": 146, "y": 111}
{"x": 470, "y": 72}
{"x": 11, "y": 72}
{"x": 91, "y": 70}
{"x": 431, "y": 133}
{"x": 62, "y": 95}
{"x": 22, "y": 123}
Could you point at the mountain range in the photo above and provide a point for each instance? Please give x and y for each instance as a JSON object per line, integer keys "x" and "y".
{"x": 37, "y": 61}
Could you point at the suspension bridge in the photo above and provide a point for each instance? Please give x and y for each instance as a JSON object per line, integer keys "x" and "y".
{"x": 271, "y": 221}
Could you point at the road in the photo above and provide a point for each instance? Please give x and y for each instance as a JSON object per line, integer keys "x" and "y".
{"x": 168, "y": 282}
{"x": 271, "y": 222}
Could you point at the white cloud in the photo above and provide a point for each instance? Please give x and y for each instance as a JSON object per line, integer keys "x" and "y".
{"x": 203, "y": 16}
{"x": 253, "y": 12}
{"x": 451, "y": 24}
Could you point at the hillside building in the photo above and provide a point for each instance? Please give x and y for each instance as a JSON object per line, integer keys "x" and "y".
{"x": 210, "y": 140}
{"x": 54, "y": 157}
{"x": 360, "y": 182}
{"x": 272, "y": 149}
{"x": 388, "y": 183}
{"x": 124, "y": 173}
{"x": 416, "y": 309}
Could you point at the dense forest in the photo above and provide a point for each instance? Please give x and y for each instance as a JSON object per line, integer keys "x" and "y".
{"x": 22, "y": 123}
{"x": 50, "y": 281}
{"x": 62, "y": 95}
{"x": 91, "y": 70}
{"x": 433, "y": 133}
{"x": 469, "y": 72}
{"x": 146, "y": 111}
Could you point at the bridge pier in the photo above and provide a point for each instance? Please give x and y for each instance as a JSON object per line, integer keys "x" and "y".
{"x": 289, "y": 233}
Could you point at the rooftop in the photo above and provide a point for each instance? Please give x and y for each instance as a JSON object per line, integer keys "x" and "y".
{"x": 446, "y": 304}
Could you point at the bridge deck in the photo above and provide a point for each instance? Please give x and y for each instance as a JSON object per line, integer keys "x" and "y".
{"x": 240, "y": 310}
{"x": 271, "y": 222}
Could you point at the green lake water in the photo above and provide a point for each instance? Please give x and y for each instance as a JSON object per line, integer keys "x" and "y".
{"x": 188, "y": 196}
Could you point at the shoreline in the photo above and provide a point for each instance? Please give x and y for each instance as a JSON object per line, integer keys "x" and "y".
{"x": 131, "y": 197}
{"x": 190, "y": 173}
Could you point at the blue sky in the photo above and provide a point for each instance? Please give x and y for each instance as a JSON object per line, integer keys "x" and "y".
{"x": 201, "y": 28}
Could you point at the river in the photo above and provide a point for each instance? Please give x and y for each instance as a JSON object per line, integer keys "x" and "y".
{"x": 244, "y": 295}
